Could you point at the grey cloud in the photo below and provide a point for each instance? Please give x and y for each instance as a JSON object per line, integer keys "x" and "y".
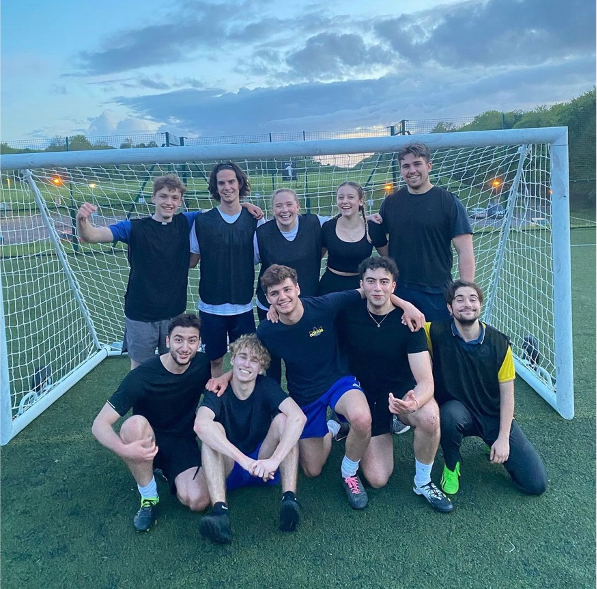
{"x": 328, "y": 53}
{"x": 497, "y": 32}
{"x": 195, "y": 26}
{"x": 427, "y": 93}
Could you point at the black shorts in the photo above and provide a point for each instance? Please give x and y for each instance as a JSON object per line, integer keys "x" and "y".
{"x": 381, "y": 417}
{"x": 175, "y": 455}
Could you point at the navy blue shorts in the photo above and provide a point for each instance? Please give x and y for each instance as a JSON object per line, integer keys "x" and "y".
{"x": 239, "y": 477}
{"x": 218, "y": 330}
{"x": 316, "y": 412}
{"x": 431, "y": 304}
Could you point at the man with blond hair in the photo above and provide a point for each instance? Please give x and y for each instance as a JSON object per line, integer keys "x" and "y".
{"x": 249, "y": 432}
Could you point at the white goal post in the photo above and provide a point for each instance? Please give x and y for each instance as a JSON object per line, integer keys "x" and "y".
{"x": 62, "y": 301}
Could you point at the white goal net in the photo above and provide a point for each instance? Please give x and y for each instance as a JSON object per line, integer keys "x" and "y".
{"x": 62, "y": 308}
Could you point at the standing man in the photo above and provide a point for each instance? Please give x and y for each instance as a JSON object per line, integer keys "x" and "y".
{"x": 393, "y": 367}
{"x": 223, "y": 241}
{"x": 248, "y": 432}
{"x": 159, "y": 256}
{"x": 163, "y": 393}
{"x": 316, "y": 373}
{"x": 474, "y": 382}
{"x": 423, "y": 221}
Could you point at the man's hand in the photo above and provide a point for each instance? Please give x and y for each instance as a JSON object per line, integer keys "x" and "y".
{"x": 376, "y": 218}
{"x": 140, "y": 450}
{"x": 254, "y": 210}
{"x": 500, "y": 451}
{"x": 265, "y": 469}
{"x": 412, "y": 317}
{"x": 86, "y": 211}
{"x": 405, "y": 406}
{"x": 220, "y": 384}
{"x": 272, "y": 315}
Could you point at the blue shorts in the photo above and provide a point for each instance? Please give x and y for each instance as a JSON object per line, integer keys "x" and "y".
{"x": 218, "y": 330}
{"x": 316, "y": 412}
{"x": 239, "y": 477}
{"x": 431, "y": 304}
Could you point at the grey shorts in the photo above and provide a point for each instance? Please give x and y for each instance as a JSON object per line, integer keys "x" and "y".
{"x": 141, "y": 338}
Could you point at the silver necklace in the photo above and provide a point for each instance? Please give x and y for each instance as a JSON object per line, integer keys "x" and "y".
{"x": 378, "y": 323}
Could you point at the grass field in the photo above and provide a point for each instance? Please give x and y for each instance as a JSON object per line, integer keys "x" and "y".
{"x": 67, "y": 507}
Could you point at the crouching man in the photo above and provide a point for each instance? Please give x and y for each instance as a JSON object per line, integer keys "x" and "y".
{"x": 474, "y": 376}
{"x": 163, "y": 393}
{"x": 248, "y": 432}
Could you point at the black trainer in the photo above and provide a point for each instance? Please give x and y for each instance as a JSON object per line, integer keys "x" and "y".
{"x": 357, "y": 496}
{"x": 437, "y": 499}
{"x": 289, "y": 514}
{"x": 147, "y": 515}
{"x": 216, "y": 527}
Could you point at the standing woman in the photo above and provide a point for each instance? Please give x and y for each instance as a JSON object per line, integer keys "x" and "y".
{"x": 349, "y": 239}
{"x": 292, "y": 240}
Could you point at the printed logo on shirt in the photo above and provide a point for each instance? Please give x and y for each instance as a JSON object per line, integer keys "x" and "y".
{"x": 316, "y": 331}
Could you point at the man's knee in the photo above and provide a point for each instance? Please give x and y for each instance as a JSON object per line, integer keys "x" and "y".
{"x": 377, "y": 479}
{"x": 194, "y": 498}
{"x": 311, "y": 470}
{"x": 135, "y": 428}
{"x": 360, "y": 421}
{"x": 427, "y": 418}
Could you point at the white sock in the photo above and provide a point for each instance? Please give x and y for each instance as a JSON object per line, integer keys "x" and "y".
{"x": 333, "y": 427}
{"x": 422, "y": 473}
{"x": 349, "y": 467}
{"x": 149, "y": 491}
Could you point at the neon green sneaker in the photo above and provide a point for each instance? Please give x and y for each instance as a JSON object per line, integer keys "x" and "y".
{"x": 449, "y": 482}
{"x": 147, "y": 515}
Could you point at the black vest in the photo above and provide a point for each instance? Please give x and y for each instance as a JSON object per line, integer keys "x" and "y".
{"x": 303, "y": 253}
{"x": 227, "y": 270}
{"x": 468, "y": 373}
{"x": 158, "y": 255}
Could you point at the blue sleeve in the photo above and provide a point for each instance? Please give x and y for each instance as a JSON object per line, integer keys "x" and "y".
{"x": 191, "y": 216}
{"x": 460, "y": 222}
{"x": 121, "y": 231}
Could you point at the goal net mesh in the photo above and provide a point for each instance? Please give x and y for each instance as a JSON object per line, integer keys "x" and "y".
{"x": 52, "y": 327}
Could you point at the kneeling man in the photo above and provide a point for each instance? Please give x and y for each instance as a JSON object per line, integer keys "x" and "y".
{"x": 474, "y": 376}
{"x": 248, "y": 432}
{"x": 393, "y": 366}
{"x": 164, "y": 393}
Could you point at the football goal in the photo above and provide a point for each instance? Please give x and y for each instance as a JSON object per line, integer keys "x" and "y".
{"x": 62, "y": 300}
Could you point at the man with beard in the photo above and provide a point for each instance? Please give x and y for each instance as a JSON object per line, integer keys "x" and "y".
{"x": 474, "y": 376}
{"x": 163, "y": 393}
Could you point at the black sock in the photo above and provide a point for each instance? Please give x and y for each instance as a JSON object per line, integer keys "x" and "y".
{"x": 288, "y": 496}
{"x": 219, "y": 508}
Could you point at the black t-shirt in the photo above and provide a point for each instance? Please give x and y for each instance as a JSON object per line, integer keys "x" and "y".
{"x": 246, "y": 422}
{"x": 159, "y": 255}
{"x": 345, "y": 256}
{"x": 421, "y": 228}
{"x": 309, "y": 348}
{"x": 378, "y": 356}
{"x": 167, "y": 400}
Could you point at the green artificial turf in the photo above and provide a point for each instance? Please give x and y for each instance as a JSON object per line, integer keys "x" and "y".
{"x": 67, "y": 506}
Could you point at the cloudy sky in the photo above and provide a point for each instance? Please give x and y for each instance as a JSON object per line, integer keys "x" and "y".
{"x": 120, "y": 67}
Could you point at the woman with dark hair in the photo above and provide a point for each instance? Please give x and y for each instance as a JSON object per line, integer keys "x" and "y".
{"x": 349, "y": 238}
